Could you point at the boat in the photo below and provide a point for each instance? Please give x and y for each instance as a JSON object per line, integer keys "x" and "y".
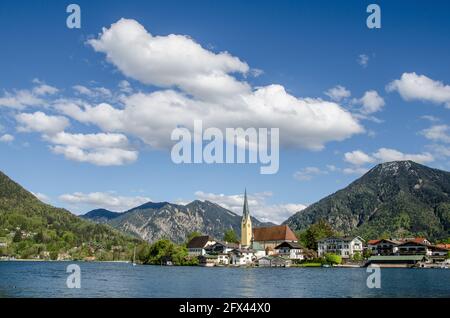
{"x": 134, "y": 256}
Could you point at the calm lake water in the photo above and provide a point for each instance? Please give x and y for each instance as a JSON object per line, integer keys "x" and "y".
{"x": 48, "y": 279}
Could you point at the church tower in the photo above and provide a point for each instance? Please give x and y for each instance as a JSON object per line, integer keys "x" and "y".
{"x": 246, "y": 225}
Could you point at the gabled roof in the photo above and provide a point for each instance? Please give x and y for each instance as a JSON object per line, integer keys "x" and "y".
{"x": 375, "y": 242}
{"x": 199, "y": 241}
{"x": 274, "y": 233}
{"x": 293, "y": 245}
{"x": 413, "y": 243}
{"x": 444, "y": 246}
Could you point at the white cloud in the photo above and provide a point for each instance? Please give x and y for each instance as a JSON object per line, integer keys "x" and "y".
{"x": 371, "y": 102}
{"x": 41, "y": 122}
{"x": 173, "y": 60}
{"x": 106, "y": 200}
{"x": 44, "y": 89}
{"x": 363, "y": 60}
{"x": 438, "y": 133}
{"x": 386, "y": 155}
{"x": 20, "y": 99}
{"x": 338, "y": 93}
{"x": 99, "y": 149}
{"x": 6, "y": 138}
{"x": 355, "y": 170}
{"x": 430, "y": 118}
{"x": 125, "y": 87}
{"x": 209, "y": 92}
{"x": 308, "y": 173}
{"x": 306, "y": 123}
{"x": 258, "y": 205}
{"x": 92, "y": 92}
{"x": 420, "y": 87}
{"x": 358, "y": 157}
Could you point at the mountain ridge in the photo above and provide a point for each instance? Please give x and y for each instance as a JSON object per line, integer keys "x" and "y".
{"x": 394, "y": 198}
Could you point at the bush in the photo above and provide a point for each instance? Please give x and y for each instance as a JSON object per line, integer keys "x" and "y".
{"x": 333, "y": 259}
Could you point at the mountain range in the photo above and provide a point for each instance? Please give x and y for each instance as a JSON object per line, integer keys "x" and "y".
{"x": 155, "y": 220}
{"x": 399, "y": 198}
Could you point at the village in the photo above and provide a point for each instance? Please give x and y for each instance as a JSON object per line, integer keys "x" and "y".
{"x": 278, "y": 246}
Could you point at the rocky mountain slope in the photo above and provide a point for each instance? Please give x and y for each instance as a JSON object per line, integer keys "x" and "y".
{"x": 153, "y": 221}
{"x": 392, "y": 199}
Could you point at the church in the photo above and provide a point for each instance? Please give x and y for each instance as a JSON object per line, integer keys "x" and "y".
{"x": 263, "y": 238}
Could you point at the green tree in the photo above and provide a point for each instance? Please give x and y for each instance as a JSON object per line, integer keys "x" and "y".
{"x": 230, "y": 236}
{"x": 314, "y": 233}
{"x": 17, "y": 236}
{"x": 333, "y": 259}
{"x": 357, "y": 257}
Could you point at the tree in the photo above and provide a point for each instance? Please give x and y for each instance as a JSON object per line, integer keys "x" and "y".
{"x": 333, "y": 259}
{"x": 230, "y": 236}
{"x": 314, "y": 233}
{"x": 17, "y": 236}
{"x": 357, "y": 257}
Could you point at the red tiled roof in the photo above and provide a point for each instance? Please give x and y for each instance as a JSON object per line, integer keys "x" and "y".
{"x": 445, "y": 246}
{"x": 274, "y": 233}
{"x": 373, "y": 242}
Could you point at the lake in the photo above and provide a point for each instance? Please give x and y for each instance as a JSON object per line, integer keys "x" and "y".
{"x": 48, "y": 279}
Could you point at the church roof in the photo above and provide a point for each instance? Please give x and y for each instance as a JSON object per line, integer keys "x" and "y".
{"x": 199, "y": 241}
{"x": 274, "y": 233}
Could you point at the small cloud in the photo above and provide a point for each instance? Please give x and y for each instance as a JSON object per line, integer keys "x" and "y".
{"x": 7, "y": 138}
{"x": 308, "y": 173}
{"x": 363, "y": 60}
{"x": 338, "y": 93}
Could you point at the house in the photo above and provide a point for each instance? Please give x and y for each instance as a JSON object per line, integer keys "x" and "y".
{"x": 383, "y": 246}
{"x": 271, "y": 236}
{"x": 346, "y": 247}
{"x": 290, "y": 250}
{"x": 273, "y": 261}
{"x": 438, "y": 253}
{"x": 396, "y": 260}
{"x": 221, "y": 247}
{"x": 242, "y": 257}
{"x": 208, "y": 260}
{"x": 414, "y": 248}
{"x": 197, "y": 245}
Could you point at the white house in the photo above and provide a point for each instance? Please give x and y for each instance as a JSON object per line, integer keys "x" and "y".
{"x": 290, "y": 250}
{"x": 273, "y": 261}
{"x": 242, "y": 257}
{"x": 197, "y": 246}
{"x": 345, "y": 247}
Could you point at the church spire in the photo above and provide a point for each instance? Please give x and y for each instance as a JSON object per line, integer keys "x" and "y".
{"x": 246, "y": 212}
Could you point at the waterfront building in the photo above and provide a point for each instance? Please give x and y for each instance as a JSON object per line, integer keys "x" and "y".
{"x": 290, "y": 250}
{"x": 197, "y": 245}
{"x": 346, "y": 247}
{"x": 242, "y": 257}
{"x": 273, "y": 261}
{"x": 383, "y": 246}
{"x": 414, "y": 248}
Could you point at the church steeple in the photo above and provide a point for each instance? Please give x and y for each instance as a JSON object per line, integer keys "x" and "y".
{"x": 245, "y": 212}
{"x": 246, "y": 224}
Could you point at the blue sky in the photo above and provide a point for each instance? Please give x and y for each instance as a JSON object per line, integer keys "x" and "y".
{"x": 382, "y": 94}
